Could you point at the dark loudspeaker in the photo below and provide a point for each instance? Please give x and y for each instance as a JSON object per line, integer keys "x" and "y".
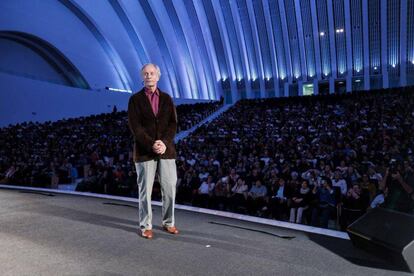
{"x": 387, "y": 234}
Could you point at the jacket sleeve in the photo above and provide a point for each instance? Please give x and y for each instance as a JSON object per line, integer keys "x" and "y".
{"x": 169, "y": 134}
{"x": 135, "y": 125}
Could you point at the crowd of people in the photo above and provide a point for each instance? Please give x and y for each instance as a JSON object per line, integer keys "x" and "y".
{"x": 312, "y": 160}
{"x": 93, "y": 150}
{"x": 304, "y": 159}
{"x": 192, "y": 114}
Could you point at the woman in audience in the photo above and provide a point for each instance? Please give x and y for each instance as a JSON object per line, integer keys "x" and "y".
{"x": 300, "y": 202}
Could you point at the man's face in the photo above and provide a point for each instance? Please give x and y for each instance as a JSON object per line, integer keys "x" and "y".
{"x": 150, "y": 76}
{"x": 356, "y": 189}
{"x": 304, "y": 184}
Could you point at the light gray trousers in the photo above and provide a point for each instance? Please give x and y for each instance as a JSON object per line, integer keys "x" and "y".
{"x": 167, "y": 173}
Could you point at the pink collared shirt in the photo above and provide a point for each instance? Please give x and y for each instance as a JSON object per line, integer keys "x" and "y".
{"x": 154, "y": 98}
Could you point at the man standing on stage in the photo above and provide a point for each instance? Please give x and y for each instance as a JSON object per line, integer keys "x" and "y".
{"x": 153, "y": 122}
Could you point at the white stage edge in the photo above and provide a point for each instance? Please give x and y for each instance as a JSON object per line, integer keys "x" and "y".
{"x": 277, "y": 223}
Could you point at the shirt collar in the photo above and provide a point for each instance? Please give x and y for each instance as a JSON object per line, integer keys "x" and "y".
{"x": 148, "y": 92}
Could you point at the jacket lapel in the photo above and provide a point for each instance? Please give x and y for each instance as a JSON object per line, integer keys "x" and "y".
{"x": 161, "y": 103}
{"x": 145, "y": 103}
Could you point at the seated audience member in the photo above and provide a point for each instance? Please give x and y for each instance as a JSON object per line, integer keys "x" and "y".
{"x": 256, "y": 197}
{"x": 338, "y": 181}
{"x": 326, "y": 203}
{"x": 205, "y": 192}
{"x": 300, "y": 202}
{"x": 354, "y": 206}
{"x": 399, "y": 180}
{"x": 352, "y": 176}
{"x": 279, "y": 200}
{"x": 312, "y": 176}
{"x": 342, "y": 168}
{"x": 369, "y": 186}
{"x": 233, "y": 176}
{"x": 221, "y": 193}
{"x": 187, "y": 187}
{"x": 239, "y": 194}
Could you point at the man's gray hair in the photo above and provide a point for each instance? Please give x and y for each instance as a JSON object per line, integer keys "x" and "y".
{"x": 157, "y": 68}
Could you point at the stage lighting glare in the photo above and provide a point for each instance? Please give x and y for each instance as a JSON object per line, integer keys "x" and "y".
{"x": 118, "y": 90}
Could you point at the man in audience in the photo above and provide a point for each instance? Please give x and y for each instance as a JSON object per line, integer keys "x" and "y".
{"x": 339, "y": 182}
{"x": 280, "y": 200}
{"x": 399, "y": 180}
{"x": 222, "y": 193}
{"x": 256, "y": 198}
{"x": 205, "y": 192}
{"x": 326, "y": 203}
{"x": 239, "y": 194}
{"x": 354, "y": 205}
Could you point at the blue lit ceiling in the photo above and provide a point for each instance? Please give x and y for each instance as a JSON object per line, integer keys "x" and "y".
{"x": 207, "y": 49}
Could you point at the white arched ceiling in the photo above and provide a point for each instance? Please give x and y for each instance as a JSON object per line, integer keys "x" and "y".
{"x": 232, "y": 48}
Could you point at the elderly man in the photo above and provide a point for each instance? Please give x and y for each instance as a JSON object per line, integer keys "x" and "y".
{"x": 153, "y": 122}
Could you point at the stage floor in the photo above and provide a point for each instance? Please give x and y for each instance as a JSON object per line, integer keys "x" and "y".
{"x": 54, "y": 234}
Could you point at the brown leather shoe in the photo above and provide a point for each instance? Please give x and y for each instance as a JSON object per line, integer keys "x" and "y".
{"x": 147, "y": 234}
{"x": 171, "y": 229}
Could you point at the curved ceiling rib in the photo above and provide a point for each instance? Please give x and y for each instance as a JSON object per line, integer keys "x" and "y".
{"x": 253, "y": 48}
{"x": 57, "y": 60}
{"x": 301, "y": 41}
{"x": 230, "y": 82}
{"x": 201, "y": 74}
{"x": 168, "y": 59}
{"x": 259, "y": 53}
{"x": 365, "y": 34}
{"x": 177, "y": 51}
{"x": 244, "y": 82}
{"x": 202, "y": 20}
{"x": 259, "y": 48}
{"x": 273, "y": 78}
{"x": 249, "y": 45}
{"x": 315, "y": 33}
{"x": 132, "y": 33}
{"x": 185, "y": 56}
{"x": 111, "y": 53}
{"x": 286, "y": 42}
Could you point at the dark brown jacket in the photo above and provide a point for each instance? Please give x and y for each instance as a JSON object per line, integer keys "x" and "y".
{"x": 147, "y": 128}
